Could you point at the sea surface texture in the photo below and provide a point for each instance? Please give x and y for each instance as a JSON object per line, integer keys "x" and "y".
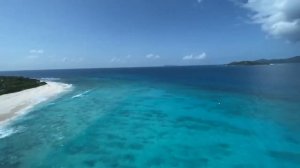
{"x": 177, "y": 117}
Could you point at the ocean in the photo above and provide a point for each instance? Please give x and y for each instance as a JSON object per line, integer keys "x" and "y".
{"x": 161, "y": 117}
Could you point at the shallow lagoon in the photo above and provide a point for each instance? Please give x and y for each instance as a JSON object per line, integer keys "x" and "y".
{"x": 206, "y": 116}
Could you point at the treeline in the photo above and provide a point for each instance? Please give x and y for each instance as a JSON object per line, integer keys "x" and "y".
{"x": 268, "y": 61}
{"x": 10, "y": 84}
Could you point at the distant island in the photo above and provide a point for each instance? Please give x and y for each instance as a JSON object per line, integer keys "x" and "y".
{"x": 268, "y": 61}
{"x": 11, "y": 84}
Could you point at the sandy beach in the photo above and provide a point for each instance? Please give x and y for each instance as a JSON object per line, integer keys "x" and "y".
{"x": 14, "y": 104}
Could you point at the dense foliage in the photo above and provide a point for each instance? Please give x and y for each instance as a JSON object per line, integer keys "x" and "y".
{"x": 10, "y": 84}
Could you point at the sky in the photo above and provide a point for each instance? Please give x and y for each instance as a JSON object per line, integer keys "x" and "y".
{"x": 65, "y": 34}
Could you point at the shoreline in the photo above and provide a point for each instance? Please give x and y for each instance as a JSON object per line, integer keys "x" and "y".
{"x": 15, "y": 104}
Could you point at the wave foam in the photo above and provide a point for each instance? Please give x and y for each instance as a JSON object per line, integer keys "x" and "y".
{"x": 50, "y": 79}
{"x": 81, "y": 94}
{"x": 16, "y": 104}
{"x": 5, "y": 131}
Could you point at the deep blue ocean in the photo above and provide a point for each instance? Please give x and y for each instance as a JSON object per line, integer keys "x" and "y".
{"x": 162, "y": 117}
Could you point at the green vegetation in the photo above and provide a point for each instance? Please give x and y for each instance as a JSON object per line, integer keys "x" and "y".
{"x": 268, "y": 62}
{"x": 10, "y": 84}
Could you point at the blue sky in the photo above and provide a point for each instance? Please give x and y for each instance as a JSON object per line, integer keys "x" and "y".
{"x": 43, "y": 34}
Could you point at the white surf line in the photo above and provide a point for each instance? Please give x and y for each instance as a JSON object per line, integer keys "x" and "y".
{"x": 17, "y": 104}
{"x": 81, "y": 94}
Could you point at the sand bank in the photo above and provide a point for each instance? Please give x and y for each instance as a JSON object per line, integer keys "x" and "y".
{"x": 14, "y": 104}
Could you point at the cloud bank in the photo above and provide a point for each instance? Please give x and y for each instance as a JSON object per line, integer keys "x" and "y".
{"x": 115, "y": 59}
{"x": 72, "y": 60}
{"x": 279, "y": 18}
{"x": 152, "y": 56}
{"x": 36, "y": 51}
{"x": 194, "y": 57}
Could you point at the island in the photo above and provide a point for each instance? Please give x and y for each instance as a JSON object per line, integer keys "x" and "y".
{"x": 19, "y": 94}
{"x": 295, "y": 59}
{"x": 11, "y": 84}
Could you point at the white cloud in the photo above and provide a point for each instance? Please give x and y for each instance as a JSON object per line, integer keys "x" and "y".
{"x": 152, "y": 56}
{"x": 199, "y": 1}
{"x": 115, "y": 59}
{"x": 201, "y": 56}
{"x": 36, "y": 51}
{"x": 188, "y": 57}
{"x": 194, "y": 57}
{"x": 279, "y": 18}
{"x": 121, "y": 60}
{"x": 72, "y": 60}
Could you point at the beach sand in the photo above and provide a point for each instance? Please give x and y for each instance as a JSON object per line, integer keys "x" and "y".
{"x": 14, "y": 104}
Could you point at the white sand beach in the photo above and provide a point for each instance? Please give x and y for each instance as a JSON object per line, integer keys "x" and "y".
{"x": 14, "y": 104}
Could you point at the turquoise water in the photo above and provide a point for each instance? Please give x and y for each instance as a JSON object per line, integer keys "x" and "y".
{"x": 214, "y": 116}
